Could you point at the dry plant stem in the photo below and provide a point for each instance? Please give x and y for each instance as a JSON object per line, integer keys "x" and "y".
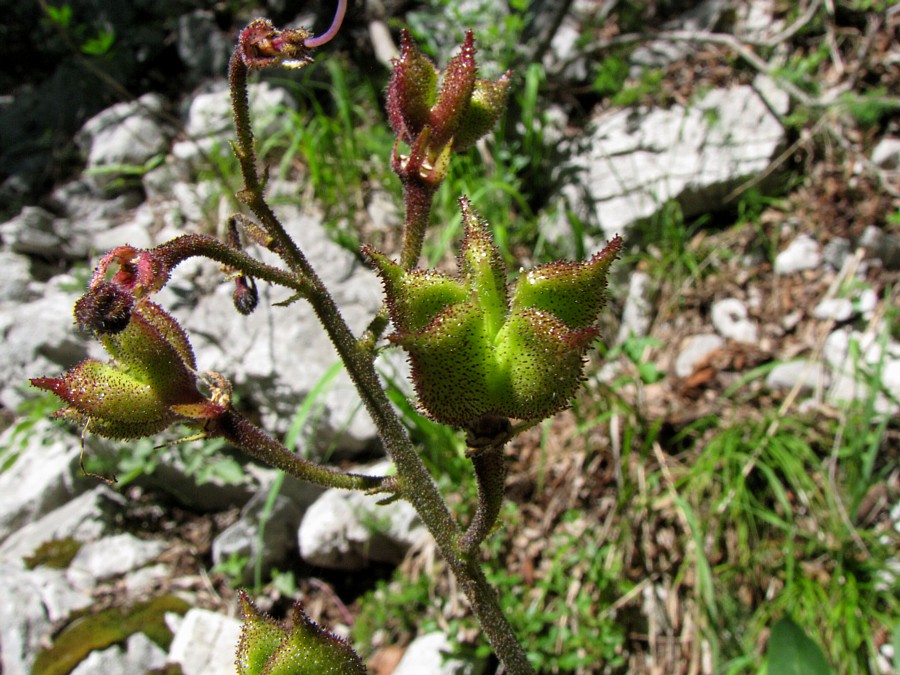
{"x": 490, "y": 473}
{"x": 255, "y": 442}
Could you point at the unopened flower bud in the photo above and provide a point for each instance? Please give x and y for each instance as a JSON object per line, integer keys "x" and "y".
{"x": 105, "y": 308}
{"x": 434, "y": 114}
{"x": 245, "y": 296}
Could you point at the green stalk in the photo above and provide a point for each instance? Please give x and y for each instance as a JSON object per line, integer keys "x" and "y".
{"x": 252, "y": 440}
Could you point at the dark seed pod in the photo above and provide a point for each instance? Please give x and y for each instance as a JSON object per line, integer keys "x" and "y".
{"x": 245, "y": 297}
{"x": 104, "y": 309}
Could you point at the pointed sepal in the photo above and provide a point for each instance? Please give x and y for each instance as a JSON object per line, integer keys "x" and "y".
{"x": 411, "y": 91}
{"x": 478, "y": 350}
{"x": 267, "y": 648}
{"x": 457, "y": 85}
{"x": 150, "y": 383}
{"x": 486, "y": 105}
{"x": 574, "y": 292}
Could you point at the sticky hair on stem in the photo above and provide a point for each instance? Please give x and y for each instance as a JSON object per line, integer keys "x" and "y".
{"x": 335, "y": 26}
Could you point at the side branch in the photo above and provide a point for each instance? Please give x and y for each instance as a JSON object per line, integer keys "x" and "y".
{"x": 189, "y": 245}
{"x": 253, "y": 441}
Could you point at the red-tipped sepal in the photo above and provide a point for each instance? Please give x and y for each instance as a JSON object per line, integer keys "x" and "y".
{"x": 150, "y": 383}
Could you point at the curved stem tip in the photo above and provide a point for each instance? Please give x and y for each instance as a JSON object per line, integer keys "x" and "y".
{"x": 335, "y": 26}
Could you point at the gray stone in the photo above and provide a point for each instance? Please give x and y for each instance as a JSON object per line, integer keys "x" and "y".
{"x": 638, "y": 312}
{"x": 278, "y": 542}
{"x": 38, "y": 339}
{"x": 848, "y": 382}
{"x": 140, "y": 655}
{"x": 867, "y": 302}
{"x": 135, "y": 232}
{"x": 124, "y": 135}
{"x": 205, "y": 643}
{"x": 890, "y": 378}
{"x": 836, "y": 251}
{"x": 197, "y": 200}
{"x": 703, "y": 16}
{"x": 631, "y": 162}
{"x": 731, "y": 321}
{"x": 43, "y": 477}
{"x": 810, "y": 375}
{"x": 147, "y": 581}
{"x": 210, "y": 126}
{"x": 84, "y": 518}
{"x": 756, "y": 20}
{"x": 31, "y": 603}
{"x": 158, "y": 182}
{"x": 887, "y": 153}
{"x": 37, "y": 232}
{"x": 564, "y": 58}
{"x": 694, "y": 350}
{"x": 210, "y": 113}
{"x": 81, "y": 204}
{"x": 883, "y": 246}
{"x": 803, "y": 253}
{"x": 345, "y": 530}
{"x": 171, "y": 476}
{"x": 16, "y": 278}
{"x": 201, "y": 45}
{"x": 111, "y": 557}
{"x": 429, "y": 654}
{"x": 834, "y": 309}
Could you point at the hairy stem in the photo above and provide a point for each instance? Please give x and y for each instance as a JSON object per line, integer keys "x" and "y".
{"x": 252, "y": 194}
{"x": 413, "y": 481}
{"x": 490, "y": 473}
{"x": 189, "y": 245}
{"x": 252, "y": 440}
{"x": 418, "y": 198}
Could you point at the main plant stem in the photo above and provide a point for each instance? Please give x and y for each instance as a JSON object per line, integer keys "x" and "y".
{"x": 414, "y": 483}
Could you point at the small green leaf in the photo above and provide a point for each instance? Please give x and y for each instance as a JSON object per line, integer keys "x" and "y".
{"x": 61, "y": 16}
{"x": 793, "y": 652}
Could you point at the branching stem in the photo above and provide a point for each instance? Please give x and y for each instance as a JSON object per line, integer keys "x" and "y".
{"x": 255, "y": 442}
{"x": 187, "y": 246}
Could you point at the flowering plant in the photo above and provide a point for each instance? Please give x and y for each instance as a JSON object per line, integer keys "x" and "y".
{"x": 487, "y": 357}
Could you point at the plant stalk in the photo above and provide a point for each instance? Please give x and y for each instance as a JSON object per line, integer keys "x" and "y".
{"x": 490, "y": 473}
{"x": 413, "y": 481}
{"x": 252, "y": 440}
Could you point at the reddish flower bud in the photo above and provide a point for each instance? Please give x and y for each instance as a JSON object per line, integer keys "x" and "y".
{"x": 106, "y": 308}
{"x": 245, "y": 296}
{"x": 434, "y": 117}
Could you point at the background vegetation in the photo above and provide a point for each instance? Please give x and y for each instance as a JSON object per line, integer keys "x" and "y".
{"x": 657, "y": 526}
